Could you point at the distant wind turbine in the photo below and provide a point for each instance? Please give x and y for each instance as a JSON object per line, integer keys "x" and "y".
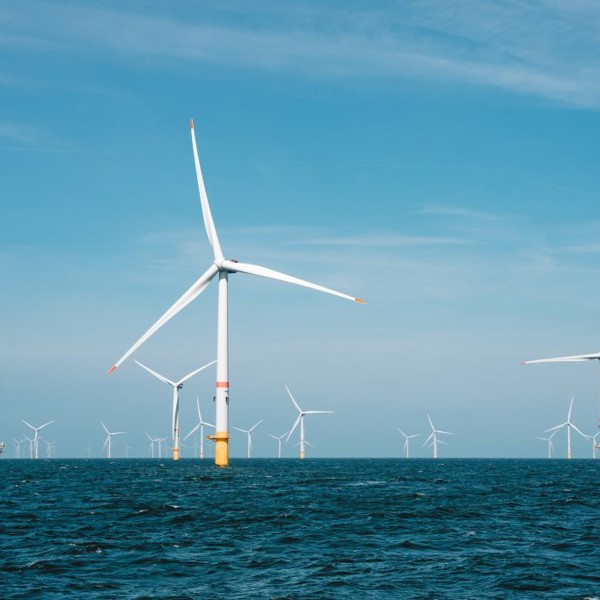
{"x": 108, "y": 441}
{"x": 223, "y": 267}
{"x": 406, "y": 443}
{"x": 434, "y": 439}
{"x": 176, "y": 385}
{"x": 249, "y": 432}
{"x": 575, "y": 358}
{"x": 550, "y": 444}
{"x": 300, "y": 419}
{"x": 595, "y": 445}
{"x": 200, "y": 425}
{"x": 278, "y": 438}
{"x": 36, "y": 434}
{"x": 569, "y": 425}
{"x": 18, "y": 447}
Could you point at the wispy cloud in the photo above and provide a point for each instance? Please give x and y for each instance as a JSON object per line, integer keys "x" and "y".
{"x": 16, "y": 132}
{"x": 383, "y": 240}
{"x": 547, "y": 48}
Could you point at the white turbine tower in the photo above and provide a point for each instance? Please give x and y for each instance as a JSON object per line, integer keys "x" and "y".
{"x": 434, "y": 439}
{"x": 176, "y": 385}
{"x": 575, "y": 358}
{"x": 569, "y": 426}
{"x": 36, "y": 436}
{"x": 550, "y": 444}
{"x": 278, "y": 438}
{"x": 249, "y": 432}
{"x": 300, "y": 419}
{"x": 108, "y": 440}
{"x": 200, "y": 426}
{"x": 405, "y": 448}
{"x": 223, "y": 267}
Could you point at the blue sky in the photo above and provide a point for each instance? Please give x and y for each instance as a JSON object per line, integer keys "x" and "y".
{"x": 438, "y": 161}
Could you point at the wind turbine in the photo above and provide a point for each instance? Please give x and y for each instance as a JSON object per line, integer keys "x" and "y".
{"x": 200, "y": 426}
{"x": 18, "y": 447}
{"x": 406, "y": 438}
{"x": 434, "y": 439}
{"x": 569, "y": 426}
{"x": 108, "y": 441}
{"x": 30, "y": 440}
{"x": 36, "y": 436}
{"x": 550, "y": 444}
{"x": 300, "y": 419}
{"x": 153, "y": 440}
{"x": 595, "y": 445}
{"x": 223, "y": 267}
{"x": 575, "y": 358}
{"x": 176, "y": 385}
{"x": 278, "y": 438}
{"x": 50, "y": 449}
{"x": 249, "y": 432}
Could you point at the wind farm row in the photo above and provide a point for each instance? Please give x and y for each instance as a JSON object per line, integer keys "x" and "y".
{"x": 222, "y": 268}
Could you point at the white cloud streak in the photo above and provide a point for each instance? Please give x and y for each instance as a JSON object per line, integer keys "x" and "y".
{"x": 547, "y": 49}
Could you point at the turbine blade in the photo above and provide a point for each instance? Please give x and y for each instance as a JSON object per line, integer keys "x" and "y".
{"x": 209, "y": 224}
{"x": 242, "y": 430}
{"x": 293, "y": 428}
{"x": 28, "y": 424}
{"x": 157, "y": 375}
{"x": 575, "y": 358}
{"x": 319, "y": 412}
{"x": 234, "y": 267}
{"x": 293, "y": 399}
{"x": 45, "y": 424}
{"x": 430, "y": 422}
{"x": 557, "y": 427}
{"x": 446, "y": 432}
{"x": 192, "y": 431}
{"x": 193, "y": 292}
{"x": 587, "y": 437}
{"x": 570, "y": 410}
{"x": 189, "y": 375}
{"x": 256, "y": 425}
{"x": 104, "y": 427}
{"x": 402, "y": 432}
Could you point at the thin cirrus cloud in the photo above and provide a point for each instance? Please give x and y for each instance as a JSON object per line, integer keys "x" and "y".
{"x": 547, "y": 49}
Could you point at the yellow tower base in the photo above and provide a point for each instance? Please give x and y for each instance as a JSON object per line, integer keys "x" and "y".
{"x": 301, "y": 455}
{"x": 221, "y": 440}
{"x": 175, "y": 453}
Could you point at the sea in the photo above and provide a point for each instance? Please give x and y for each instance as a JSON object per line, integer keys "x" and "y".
{"x": 286, "y": 529}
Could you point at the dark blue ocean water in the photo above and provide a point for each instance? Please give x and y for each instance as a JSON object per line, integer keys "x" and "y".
{"x": 290, "y": 529}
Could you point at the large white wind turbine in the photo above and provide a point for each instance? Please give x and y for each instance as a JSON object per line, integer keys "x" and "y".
{"x": 434, "y": 439}
{"x": 223, "y": 267}
{"x": 108, "y": 440}
{"x": 176, "y": 385}
{"x": 35, "y": 435}
{"x": 249, "y": 432}
{"x": 278, "y": 438}
{"x": 300, "y": 419}
{"x": 575, "y": 358}
{"x": 406, "y": 443}
{"x": 550, "y": 444}
{"x": 200, "y": 426}
{"x": 569, "y": 426}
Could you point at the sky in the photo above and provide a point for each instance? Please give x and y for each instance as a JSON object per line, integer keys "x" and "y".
{"x": 437, "y": 160}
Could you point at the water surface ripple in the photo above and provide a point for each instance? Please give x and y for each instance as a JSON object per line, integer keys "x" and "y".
{"x": 290, "y": 529}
